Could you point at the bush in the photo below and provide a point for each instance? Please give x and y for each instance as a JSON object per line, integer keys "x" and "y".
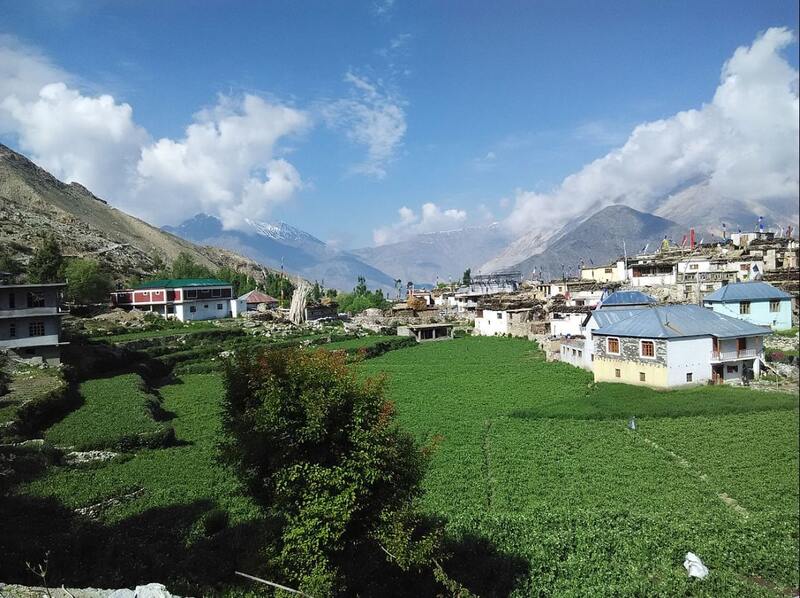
{"x": 320, "y": 450}
{"x": 215, "y": 521}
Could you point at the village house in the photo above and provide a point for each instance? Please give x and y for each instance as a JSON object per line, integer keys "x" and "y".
{"x": 184, "y": 299}
{"x": 250, "y": 301}
{"x": 30, "y": 321}
{"x": 613, "y": 272}
{"x": 579, "y": 349}
{"x": 651, "y": 270}
{"x": 468, "y": 297}
{"x": 566, "y": 320}
{"x": 759, "y": 303}
{"x": 674, "y": 345}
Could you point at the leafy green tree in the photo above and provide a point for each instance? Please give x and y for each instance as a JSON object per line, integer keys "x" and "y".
{"x": 466, "y": 279}
{"x": 361, "y": 287}
{"x": 86, "y": 281}
{"x": 316, "y": 291}
{"x": 47, "y": 263}
{"x": 331, "y": 293}
{"x": 184, "y": 266}
{"x": 321, "y": 451}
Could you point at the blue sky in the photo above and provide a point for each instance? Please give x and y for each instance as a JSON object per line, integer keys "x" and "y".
{"x": 485, "y": 98}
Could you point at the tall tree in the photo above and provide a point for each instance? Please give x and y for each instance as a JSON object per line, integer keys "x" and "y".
{"x": 321, "y": 451}
{"x": 466, "y": 279}
{"x": 86, "y": 281}
{"x": 47, "y": 263}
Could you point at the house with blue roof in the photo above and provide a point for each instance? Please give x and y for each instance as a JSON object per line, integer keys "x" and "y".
{"x": 664, "y": 346}
{"x": 614, "y": 307}
{"x": 756, "y": 302}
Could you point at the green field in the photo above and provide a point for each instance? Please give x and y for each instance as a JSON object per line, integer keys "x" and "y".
{"x": 542, "y": 488}
{"x": 537, "y": 460}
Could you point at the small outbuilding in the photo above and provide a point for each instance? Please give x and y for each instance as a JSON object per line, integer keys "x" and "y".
{"x": 250, "y": 301}
{"x": 426, "y": 332}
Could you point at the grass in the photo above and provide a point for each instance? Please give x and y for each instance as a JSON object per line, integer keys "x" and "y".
{"x": 533, "y": 460}
{"x": 357, "y": 343}
{"x": 27, "y": 383}
{"x": 157, "y": 333}
{"x": 117, "y": 412}
{"x": 537, "y": 459}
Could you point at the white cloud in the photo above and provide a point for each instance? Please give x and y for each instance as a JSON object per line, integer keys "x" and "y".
{"x": 744, "y": 142}
{"x": 92, "y": 140}
{"x": 372, "y": 117}
{"x": 226, "y": 164}
{"x": 431, "y": 219}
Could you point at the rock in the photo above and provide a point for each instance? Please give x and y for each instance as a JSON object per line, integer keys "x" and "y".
{"x": 694, "y": 566}
{"x": 81, "y": 457}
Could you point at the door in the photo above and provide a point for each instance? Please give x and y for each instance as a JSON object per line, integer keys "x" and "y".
{"x": 716, "y": 374}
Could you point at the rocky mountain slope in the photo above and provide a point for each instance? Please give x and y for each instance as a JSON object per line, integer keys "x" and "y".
{"x": 599, "y": 239}
{"x": 277, "y": 244}
{"x": 33, "y": 202}
{"x": 441, "y": 256}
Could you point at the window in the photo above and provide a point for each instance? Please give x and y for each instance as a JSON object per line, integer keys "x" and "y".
{"x": 12, "y": 301}
{"x": 688, "y": 376}
{"x": 642, "y": 377}
{"x": 12, "y": 330}
{"x": 613, "y": 345}
{"x": 608, "y": 270}
{"x": 499, "y": 315}
{"x": 617, "y": 374}
{"x": 591, "y": 357}
{"x": 741, "y": 344}
{"x": 36, "y": 329}
{"x": 216, "y": 292}
{"x": 693, "y": 266}
{"x": 774, "y": 306}
{"x": 192, "y": 309}
{"x": 219, "y": 305}
{"x": 733, "y": 369}
{"x": 744, "y": 307}
{"x": 573, "y": 352}
{"x": 191, "y": 293}
{"x": 35, "y": 299}
{"x": 648, "y": 349}
{"x": 205, "y": 306}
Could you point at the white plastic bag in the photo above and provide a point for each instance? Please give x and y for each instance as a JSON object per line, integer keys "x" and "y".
{"x": 694, "y": 566}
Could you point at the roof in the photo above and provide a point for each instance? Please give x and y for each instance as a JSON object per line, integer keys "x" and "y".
{"x": 746, "y": 291}
{"x": 606, "y": 317}
{"x": 177, "y": 283}
{"x": 257, "y": 297}
{"x": 680, "y": 321}
{"x": 34, "y": 285}
{"x": 426, "y": 326}
{"x": 628, "y": 298}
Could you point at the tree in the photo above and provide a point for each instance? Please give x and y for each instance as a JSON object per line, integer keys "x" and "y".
{"x": 466, "y": 279}
{"x": 47, "y": 263}
{"x": 361, "y": 287}
{"x": 316, "y": 292}
{"x": 184, "y": 266}
{"x": 86, "y": 281}
{"x": 320, "y": 450}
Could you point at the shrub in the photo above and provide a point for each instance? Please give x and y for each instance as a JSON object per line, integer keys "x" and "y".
{"x": 215, "y": 521}
{"x": 320, "y": 450}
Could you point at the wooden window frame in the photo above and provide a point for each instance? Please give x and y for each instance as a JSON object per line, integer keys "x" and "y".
{"x": 744, "y": 308}
{"x": 614, "y": 339}
{"x": 651, "y": 343}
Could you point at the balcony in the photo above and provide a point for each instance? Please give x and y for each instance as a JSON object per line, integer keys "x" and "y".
{"x": 718, "y": 356}
{"x": 31, "y": 312}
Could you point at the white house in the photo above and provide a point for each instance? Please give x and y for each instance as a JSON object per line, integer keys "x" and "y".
{"x": 30, "y": 320}
{"x": 673, "y": 345}
{"x": 184, "y": 299}
{"x": 500, "y": 322}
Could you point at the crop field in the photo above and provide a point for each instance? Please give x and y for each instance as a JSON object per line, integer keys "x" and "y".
{"x": 116, "y": 412}
{"x": 542, "y": 488}
{"x": 357, "y": 343}
{"x": 537, "y": 461}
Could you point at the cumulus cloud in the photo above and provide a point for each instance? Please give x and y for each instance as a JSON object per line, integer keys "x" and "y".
{"x": 744, "y": 142}
{"x": 431, "y": 219}
{"x": 227, "y": 163}
{"x": 373, "y": 117}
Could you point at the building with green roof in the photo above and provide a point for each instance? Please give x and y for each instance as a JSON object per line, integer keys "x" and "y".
{"x": 184, "y": 299}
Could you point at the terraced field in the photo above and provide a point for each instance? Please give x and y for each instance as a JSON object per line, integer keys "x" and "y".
{"x": 538, "y": 461}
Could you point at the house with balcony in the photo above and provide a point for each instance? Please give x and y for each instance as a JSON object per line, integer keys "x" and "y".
{"x": 673, "y": 345}
{"x": 184, "y": 299}
{"x": 756, "y": 302}
{"x": 30, "y": 321}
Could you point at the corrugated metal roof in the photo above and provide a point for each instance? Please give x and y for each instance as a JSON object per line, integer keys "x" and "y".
{"x": 177, "y": 283}
{"x": 628, "y": 298}
{"x": 746, "y": 291}
{"x": 605, "y": 317}
{"x": 676, "y": 321}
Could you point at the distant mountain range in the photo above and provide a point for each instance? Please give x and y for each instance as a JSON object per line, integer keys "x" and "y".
{"x": 282, "y": 245}
{"x": 599, "y": 239}
{"x": 427, "y": 258}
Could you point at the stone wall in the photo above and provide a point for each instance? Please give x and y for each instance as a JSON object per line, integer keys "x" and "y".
{"x": 629, "y": 350}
